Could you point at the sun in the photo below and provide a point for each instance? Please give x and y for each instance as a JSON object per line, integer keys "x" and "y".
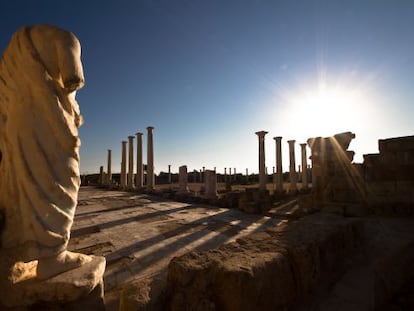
{"x": 323, "y": 109}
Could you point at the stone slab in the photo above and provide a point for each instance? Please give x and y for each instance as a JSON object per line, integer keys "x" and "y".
{"x": 65, "y": 287}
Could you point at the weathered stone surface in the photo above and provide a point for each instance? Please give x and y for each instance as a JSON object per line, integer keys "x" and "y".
{"x": 266, "y": 271}
{"x": 65, "y": 287}
{"x": 144, "y": 294}
{"x": 334, "y": 177}
{"x": 389, "y": 177}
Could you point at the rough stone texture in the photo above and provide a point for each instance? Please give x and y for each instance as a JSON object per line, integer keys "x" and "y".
{"x": 144, "y": 294}
{"x": 389, "y": 176}
{"x": 266, "y": 271}
{"x": 254, "y": 201}
{"x": 72, "y": 285}
{"x": 335, "y": 179}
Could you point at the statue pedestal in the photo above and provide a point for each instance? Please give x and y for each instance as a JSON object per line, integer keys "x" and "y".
{"x": 76, "y": 289}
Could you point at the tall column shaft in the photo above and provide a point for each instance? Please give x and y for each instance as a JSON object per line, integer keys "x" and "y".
{"x": 304, "y": 167}
{"x": 139, "y": 177}
{"x": 279, "y": 172}
{"x": 109, "y": 168}
{"x": 131, "y": 161}
{"x": 123, "y": 165}
{"x": 150, "y": 160}
{"x": 292, "y": 167}
{"x": 262, "y": 164}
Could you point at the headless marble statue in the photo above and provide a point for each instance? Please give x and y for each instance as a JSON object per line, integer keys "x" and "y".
{"x": 40, "y": 72}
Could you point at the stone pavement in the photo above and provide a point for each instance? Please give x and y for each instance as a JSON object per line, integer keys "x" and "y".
{"x": 140, "y": 234}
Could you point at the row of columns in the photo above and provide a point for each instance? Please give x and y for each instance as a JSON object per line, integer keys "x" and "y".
{"x": 279, "y": 173}
{"x": 127, "y": 178}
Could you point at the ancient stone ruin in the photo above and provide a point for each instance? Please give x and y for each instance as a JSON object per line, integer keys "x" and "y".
{"x": 40, "y": 73}
{"x": 389, "y": 177}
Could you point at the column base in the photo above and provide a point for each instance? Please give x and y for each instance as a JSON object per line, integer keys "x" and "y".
{"x": 76, "y": 289}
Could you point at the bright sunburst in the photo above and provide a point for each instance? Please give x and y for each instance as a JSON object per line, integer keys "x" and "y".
{"x": 324, "y": 109}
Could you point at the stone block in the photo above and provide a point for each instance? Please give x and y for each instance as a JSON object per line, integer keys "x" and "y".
{"x": 70, "y": 286}
{"x": 404, "y": 143}
{"x": 265, "y": 271}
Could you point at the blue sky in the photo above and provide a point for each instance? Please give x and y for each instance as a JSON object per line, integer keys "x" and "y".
{"x": 209, "y": 74}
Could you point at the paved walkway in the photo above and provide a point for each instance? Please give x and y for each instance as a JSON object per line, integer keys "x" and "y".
{"x": 140, "y": 234}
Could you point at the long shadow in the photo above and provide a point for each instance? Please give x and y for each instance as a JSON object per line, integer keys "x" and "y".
{"x": 161, "y": 253}
{"x": 162, "y": 236}
{"x": 152, "y": 258}
{"x": 106, "y": 210}
{"x": 98, "y": 227}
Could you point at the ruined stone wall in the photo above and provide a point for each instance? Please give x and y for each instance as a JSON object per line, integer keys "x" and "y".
{"x": 389, "y": 176}
{"x": 335, "y": 178}
{"x": 266, "y": 271}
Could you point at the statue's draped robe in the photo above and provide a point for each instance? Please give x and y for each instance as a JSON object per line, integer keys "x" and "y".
{"x": 39, "y": 143}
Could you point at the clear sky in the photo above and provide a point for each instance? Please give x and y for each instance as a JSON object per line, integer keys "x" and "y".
{"x": 209, "y": 74}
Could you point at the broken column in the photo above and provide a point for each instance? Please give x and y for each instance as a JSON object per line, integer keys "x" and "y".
{"x": 139, "y": 178}
{"x": 131, "y": 162}
{"x": 334, "y": 178}
{"x": 292, "y": 168}
{"x": 150, "y": 160}
{"x": 182, "y": 179}
{"x": 101, "y": 176}
{"x": 210, "y": 184}
{"x": 169, "y": 174}
{"x": 279, "y": 172}
{"x": 262, "y": 164}
{"x": 304, "y": 167}
{"x": 123, "y": 166}
{"x": 109, "y": 168}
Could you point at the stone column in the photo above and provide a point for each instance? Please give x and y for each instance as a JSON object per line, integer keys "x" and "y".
{"x": 139, "y": 178}
{"x": 262, "y": 164}
{"x": 182, "y": 179}
{"x": 210, "y": 184}
{"x": 230, "y": 177}
{"x": 225, "y": 175}
{"x": 203, "y": 174}
{"x": 101, "y": 176}
{"x": 304, "y": 167}
{"x": 169, "y": 174}
{"x": 150, "y": 160}
{"x": 195, "y": 176}
{"x": 292, "y": 168}
{"x": 109, "y": 169}
{"x": 131, "y": 162}
{"x": 123, "y": 165}
{"x": 247, "y": 175}
{"x": 279, "y": 172}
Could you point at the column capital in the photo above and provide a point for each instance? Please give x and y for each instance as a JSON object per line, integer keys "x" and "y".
{"x": 292, "y": 141}
{"x": 303, "y": 145}
{"x": 131, "y": 137}
{"x": 261, "y": 133}
{"x": 124, "y": 142}
{"x": 150, "y": 128}
{"x": 277, "y": 138}
{"x": 139, "y": 134}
